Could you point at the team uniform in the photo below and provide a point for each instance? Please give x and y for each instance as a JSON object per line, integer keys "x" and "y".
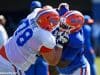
{"x": 89, "y": 52}
{"x": 40, "y": 66}
{"x": 73, "y": 61}
{"x": 74, "y": 52}
{"x": 21, "y": 49}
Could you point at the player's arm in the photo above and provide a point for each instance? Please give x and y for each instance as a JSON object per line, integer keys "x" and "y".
{"x": 53, "y": 52}
{"x": 53, "y": 69}
{"x": 52, "y": 56}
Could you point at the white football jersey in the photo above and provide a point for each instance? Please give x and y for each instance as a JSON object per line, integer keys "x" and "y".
{"x": 22, "y": 47}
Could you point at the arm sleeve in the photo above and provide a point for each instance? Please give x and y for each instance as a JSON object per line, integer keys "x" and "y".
{"x": 48, "y": 41}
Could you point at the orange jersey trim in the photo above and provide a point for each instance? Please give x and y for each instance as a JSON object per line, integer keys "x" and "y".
{"x": 45, "y": 49}
{"x": 3, "y": 53}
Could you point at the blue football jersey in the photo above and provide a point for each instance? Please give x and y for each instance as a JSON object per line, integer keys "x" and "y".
{"x": 74, "y": 52}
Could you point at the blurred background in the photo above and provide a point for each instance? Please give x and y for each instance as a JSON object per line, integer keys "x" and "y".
{"x": 15, "y": 10}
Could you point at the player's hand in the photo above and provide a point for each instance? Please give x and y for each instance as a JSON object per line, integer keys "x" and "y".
{"x": 61, "y": 37}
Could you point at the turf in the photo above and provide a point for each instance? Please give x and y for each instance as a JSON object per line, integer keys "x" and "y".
{"x": 98, "y": 65}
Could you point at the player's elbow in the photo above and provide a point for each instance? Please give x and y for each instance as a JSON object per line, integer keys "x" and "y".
{"x": 53, "y": 62}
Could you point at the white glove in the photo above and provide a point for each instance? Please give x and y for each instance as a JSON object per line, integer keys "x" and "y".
{"x": 61, "y": 37}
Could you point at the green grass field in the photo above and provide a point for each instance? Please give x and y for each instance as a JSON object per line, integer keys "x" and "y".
{"x": 98, "y": 65}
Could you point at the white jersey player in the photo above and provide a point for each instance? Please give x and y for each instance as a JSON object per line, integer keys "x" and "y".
{"x": 33, "y": 36}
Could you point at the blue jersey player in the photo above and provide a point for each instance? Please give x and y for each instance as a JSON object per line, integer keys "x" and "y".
{"x": 89, "y": 52}
{"x": 73, "y": 61}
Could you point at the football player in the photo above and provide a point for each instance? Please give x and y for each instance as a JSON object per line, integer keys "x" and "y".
{"x": 73, "y": 61}
{"x": 33, "y": 36}
{"x": 89, "y": 51}
{"x": 41, "y": 66}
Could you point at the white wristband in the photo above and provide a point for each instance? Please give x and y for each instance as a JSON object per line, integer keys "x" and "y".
{"x": 60, "y": 46}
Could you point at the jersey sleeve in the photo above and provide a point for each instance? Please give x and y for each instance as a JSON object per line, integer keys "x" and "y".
{"x": 48, "y": 41}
